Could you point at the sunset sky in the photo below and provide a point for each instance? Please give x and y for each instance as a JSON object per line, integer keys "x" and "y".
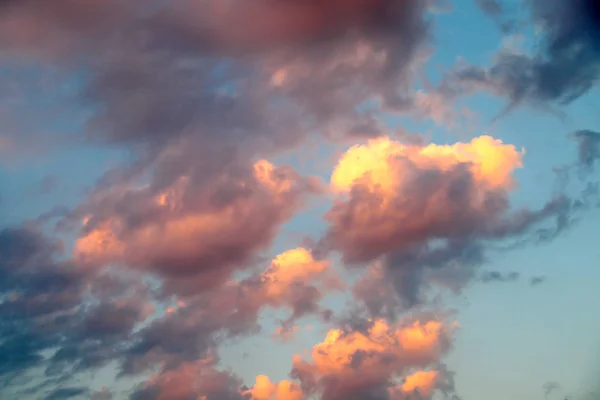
{"x": 299, "y": 200}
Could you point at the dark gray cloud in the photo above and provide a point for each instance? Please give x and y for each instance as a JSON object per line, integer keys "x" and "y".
{"x": 67, "y": 393}
{"x": 564, "y": 67}
{"x": 497, "y": 276}
{"x": 589, "y": 148}
{"x": 51, "y": 317}
{"x": 37, "y": 294}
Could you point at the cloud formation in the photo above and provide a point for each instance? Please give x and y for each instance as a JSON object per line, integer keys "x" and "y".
{"x": 170, "y": 255}
{"x": 264, "y": 389}
{"x": 455, "y": 191}
{"x": 194, "y": 236}
{"x": 564, "y": 67}
{"x": 426, "y": 215}
{"x": 364, "y": 364}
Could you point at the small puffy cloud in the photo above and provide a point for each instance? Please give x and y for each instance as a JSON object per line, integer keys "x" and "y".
{"x": 295, "y": 279}
{"x": 497, "y": 276}
{"x": 183, "y": 231}
{"x": 297, "y": 265}
{"x": 264, "y": 389}
{"x": 285, "y": 333}
{"x": 419, "y": 385}
{"x": 537, "y": 280}
{"x": 347, "y": 363}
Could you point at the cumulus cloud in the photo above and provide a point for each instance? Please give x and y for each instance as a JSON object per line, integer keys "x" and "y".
{"x": 264, "y": 389}
{"x": 196, "y": 92}
{"x": 419, "y": 385}
{"x": 455, "y": 191}
{"x": 364, "y": 364}
{"x": 194, "y": 236}
{"x": 426, "y": 215}
{"x": 294, "y": 281}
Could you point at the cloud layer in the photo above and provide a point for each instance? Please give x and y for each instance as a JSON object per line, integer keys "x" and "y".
{"x": 182, "y": 247}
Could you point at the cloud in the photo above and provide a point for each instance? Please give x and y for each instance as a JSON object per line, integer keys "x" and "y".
{"x": 537, "y": 280}
{"x": 36, "y": 291}
{"x": 194, "y": 235}
{"x": 164, "y": 71}
{"x": 496, "y": 276}
{"x": 296, "y": 280}
{"x": 427, "y": 215}
{"x": 420, "y": 385}
{"x": 57, "y": 319}
{"x": 566, "y": 65}
{"x": 66, "y": 393}
{"x": 293, "y": 281}
{"x": 194, "y": 380}
{"x": 200, "y": 380}
{"x": 196, "y": 92}
{"x": 352, "y": 364}
{"x": 455, "y": 191}
{"x": 589, "y": 148}
{"x": 264, "y": 389}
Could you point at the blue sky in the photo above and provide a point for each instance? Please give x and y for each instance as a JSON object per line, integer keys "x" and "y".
{"x": 514, "y": 337}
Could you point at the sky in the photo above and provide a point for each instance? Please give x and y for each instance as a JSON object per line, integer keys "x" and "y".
{"x": 299, "y": 200}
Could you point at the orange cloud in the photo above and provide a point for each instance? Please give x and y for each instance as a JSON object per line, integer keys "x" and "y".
{"x": 264, "y": 389}
{"x": 392, "y": 195}
{"x": 421, "y": 383}
{"x": 295, "y": 280}
{"x": 295, "y": 266}
{"x": 358, "y": 360}
{"x": 490, "y": 161}
{"x": 186, "y": 231}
